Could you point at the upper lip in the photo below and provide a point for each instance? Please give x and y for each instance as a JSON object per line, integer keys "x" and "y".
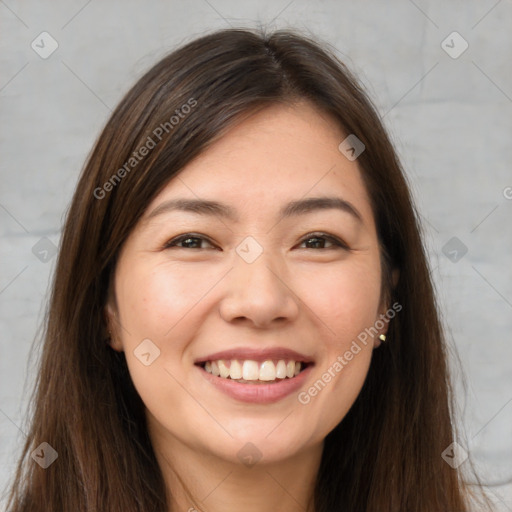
{"x": 256, "y": 354}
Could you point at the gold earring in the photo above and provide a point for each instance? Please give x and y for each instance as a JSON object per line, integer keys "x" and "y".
{"x": 382, "y": 337}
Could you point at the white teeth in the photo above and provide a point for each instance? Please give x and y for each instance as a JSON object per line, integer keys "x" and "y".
{"x": 281, "y": 369}
{"x": 224, "y": 370}
{"x": 235, "y": 370}
{"x": 249, "y": 370}
{"x": 268, "y": 371}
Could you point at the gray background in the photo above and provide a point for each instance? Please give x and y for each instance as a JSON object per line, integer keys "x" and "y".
{"x": 450, "y": 119}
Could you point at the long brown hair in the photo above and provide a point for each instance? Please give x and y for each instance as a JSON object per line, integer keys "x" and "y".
{"x": 385, "y": 455}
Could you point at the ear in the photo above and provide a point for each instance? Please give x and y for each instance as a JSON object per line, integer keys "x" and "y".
{"x": 112, "y": 324}
{"x": 383, "y": 317}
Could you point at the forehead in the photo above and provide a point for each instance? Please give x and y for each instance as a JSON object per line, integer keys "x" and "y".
{"x": 279, "y": 154}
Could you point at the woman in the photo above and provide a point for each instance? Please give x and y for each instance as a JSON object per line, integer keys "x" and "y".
{"x": 242, "y": 314}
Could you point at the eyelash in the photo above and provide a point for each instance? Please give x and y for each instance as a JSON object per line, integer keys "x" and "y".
{"x": 318, "y": 235}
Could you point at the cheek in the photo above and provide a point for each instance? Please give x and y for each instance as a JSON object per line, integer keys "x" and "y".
{"x": 346, "y": 299}
{"x": 158, "y": 303}
{"x": 338, "y": 386}
{"x": 153, "y": 300}
{"x": 347, "y": 302}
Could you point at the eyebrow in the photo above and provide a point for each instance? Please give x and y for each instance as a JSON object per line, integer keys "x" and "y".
{"x": 293, "y": 208}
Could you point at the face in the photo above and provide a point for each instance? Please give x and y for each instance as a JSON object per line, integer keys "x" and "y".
{"x": 276, "y": 286}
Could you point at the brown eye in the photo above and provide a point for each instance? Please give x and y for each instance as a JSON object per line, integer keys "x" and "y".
{"x": 319, "y": 241}
{"x": 187, "y": 241}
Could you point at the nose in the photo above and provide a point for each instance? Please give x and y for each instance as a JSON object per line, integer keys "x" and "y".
{"x": 259, "y": 294}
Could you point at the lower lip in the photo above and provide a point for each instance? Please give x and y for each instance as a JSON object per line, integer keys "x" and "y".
{"x": 258, "y": 393}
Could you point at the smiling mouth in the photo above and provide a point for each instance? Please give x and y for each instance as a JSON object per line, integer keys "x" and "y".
{"x": 253, "y": 372}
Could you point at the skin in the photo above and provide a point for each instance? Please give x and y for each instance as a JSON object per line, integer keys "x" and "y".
{"x": 201, "y": 297}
